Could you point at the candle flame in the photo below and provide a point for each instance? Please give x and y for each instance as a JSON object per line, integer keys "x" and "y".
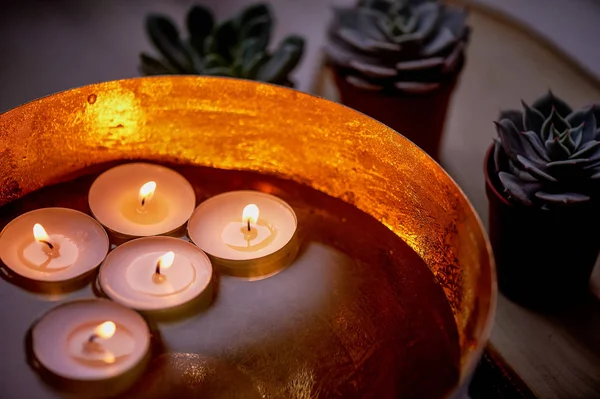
{"x": 105, "y": 330}
{"x": 166, "y": 260}
{"x": 147, "y": 192}
{"x": 39, "y": 233}
{"x": 250, "y": 213}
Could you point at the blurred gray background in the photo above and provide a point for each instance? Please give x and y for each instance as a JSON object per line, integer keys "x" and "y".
{"x": 52, "y": 45}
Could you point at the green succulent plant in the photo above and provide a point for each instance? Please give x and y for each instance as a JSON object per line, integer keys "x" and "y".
{"x": 237, "y": 47}
{"x": 549, "y": 155}
{"x": 411, "y": 46}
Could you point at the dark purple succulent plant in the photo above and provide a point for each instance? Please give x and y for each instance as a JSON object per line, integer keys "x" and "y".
{"x": 549, "y": 155}
{"x": 410, "y": 46}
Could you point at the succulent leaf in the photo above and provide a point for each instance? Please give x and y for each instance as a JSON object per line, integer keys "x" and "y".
{"x": 555, "y": 134}
{"x": 165, "y": 36}
{"x": 375, "y": 71}
{"x": 441, "y": 42}
{"x": 456, "y": 20}
{"x": 535, "y": 170}
{"x": 365, "y": 20}
{"x": 284, "y": 59}
{"x": 152, "y": 66}
{"x": 430, "y": 17}
{"x": 562, "y": 198}
{"x": 363, "y": 84}
{"x": 589, "y": 127}
{"x": 515, "y": 116}
{"x": 567, "y": 141}
{"x": 200, "y": 23}
{"x": 596, "y": 110}
{"x": 383, "y": 6}
{"x": 594, "y": 157}
{"x": 520, "y": 173}
{"x": 518, "y": 189}
{"x": 577, "y": 134}
{"x": 259, "y": 29}
{"x": 214, "y": 60}
{"x": 250, "y": 70}
{"x": 255, "y": 11}
{"x": 219, "y": 71}
{"x": 416, "y": 87}
{"x": 225, "y": 40}
{"x": 516, "y": 143}
{"x": 363, "y": 43}
{"x": 452, "y": 62}
{"x": 419, "y": 64}
{"x": 406, "y": 25}
{"x": 569, "y": 162}
{"x": 588, "y": 147}
{"x": 553, "y": 123}
{"x": 251, "y": 57}
{"x": 533, "y": 120}
{"x": 549, "y": 101}
{"x": 556, "y": 150}
{"x": 509, "y": 136}
{"x": 497, "y": 149}
{"x": 577, "y": 117}
{"x": 536, "y": 144}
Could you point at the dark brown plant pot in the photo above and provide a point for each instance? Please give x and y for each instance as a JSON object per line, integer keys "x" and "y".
{"x": 544, "y": 258}
{"x": 418, "y": 117}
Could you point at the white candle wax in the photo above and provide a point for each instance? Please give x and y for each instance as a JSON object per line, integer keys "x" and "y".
{"x": 68, "y": 341}
{"x": 141, "y": 199}
{"x": 69, "y": 244}
{"x": 219, "y": 226}
{"x": 129, "y": 273}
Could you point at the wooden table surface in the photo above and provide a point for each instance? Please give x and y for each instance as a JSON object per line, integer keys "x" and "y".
{"x": 556, "y": 356}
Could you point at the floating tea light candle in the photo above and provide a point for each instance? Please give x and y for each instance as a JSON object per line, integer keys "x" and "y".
{"x": 154, "y": 273}
{"x": 90, "y": 340}
{"x": 53, "y": 244}
{"x": 141, "y": 199}
{"x": 246, "y": 233}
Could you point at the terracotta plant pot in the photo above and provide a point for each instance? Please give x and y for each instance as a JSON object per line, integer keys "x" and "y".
{"x": 418, "y": 117}
{"x": 544, "y": 258}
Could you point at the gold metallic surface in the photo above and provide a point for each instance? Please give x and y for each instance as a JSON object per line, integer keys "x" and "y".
{"x": 232, "y": 124}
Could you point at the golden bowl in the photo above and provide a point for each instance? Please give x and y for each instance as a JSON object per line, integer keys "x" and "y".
{"x": 241, "y": 125}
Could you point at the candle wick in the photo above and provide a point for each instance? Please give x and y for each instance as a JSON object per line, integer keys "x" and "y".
{"x": 143, "y": 201}
{"x": 92, "y": 338}
{"x": 157, "y": 270}
{"x": 249, "y": 229}
{"x": 48, "y": 243}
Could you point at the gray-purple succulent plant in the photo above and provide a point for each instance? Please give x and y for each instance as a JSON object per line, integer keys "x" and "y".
{"x": 549, "y": 155}
{"x": 410, "y": 46}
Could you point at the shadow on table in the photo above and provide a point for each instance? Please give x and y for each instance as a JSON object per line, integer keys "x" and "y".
{"x": 581, "y": 323}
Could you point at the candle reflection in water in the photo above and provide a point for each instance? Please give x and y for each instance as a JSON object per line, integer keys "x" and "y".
{"x": 100, "y": 345}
